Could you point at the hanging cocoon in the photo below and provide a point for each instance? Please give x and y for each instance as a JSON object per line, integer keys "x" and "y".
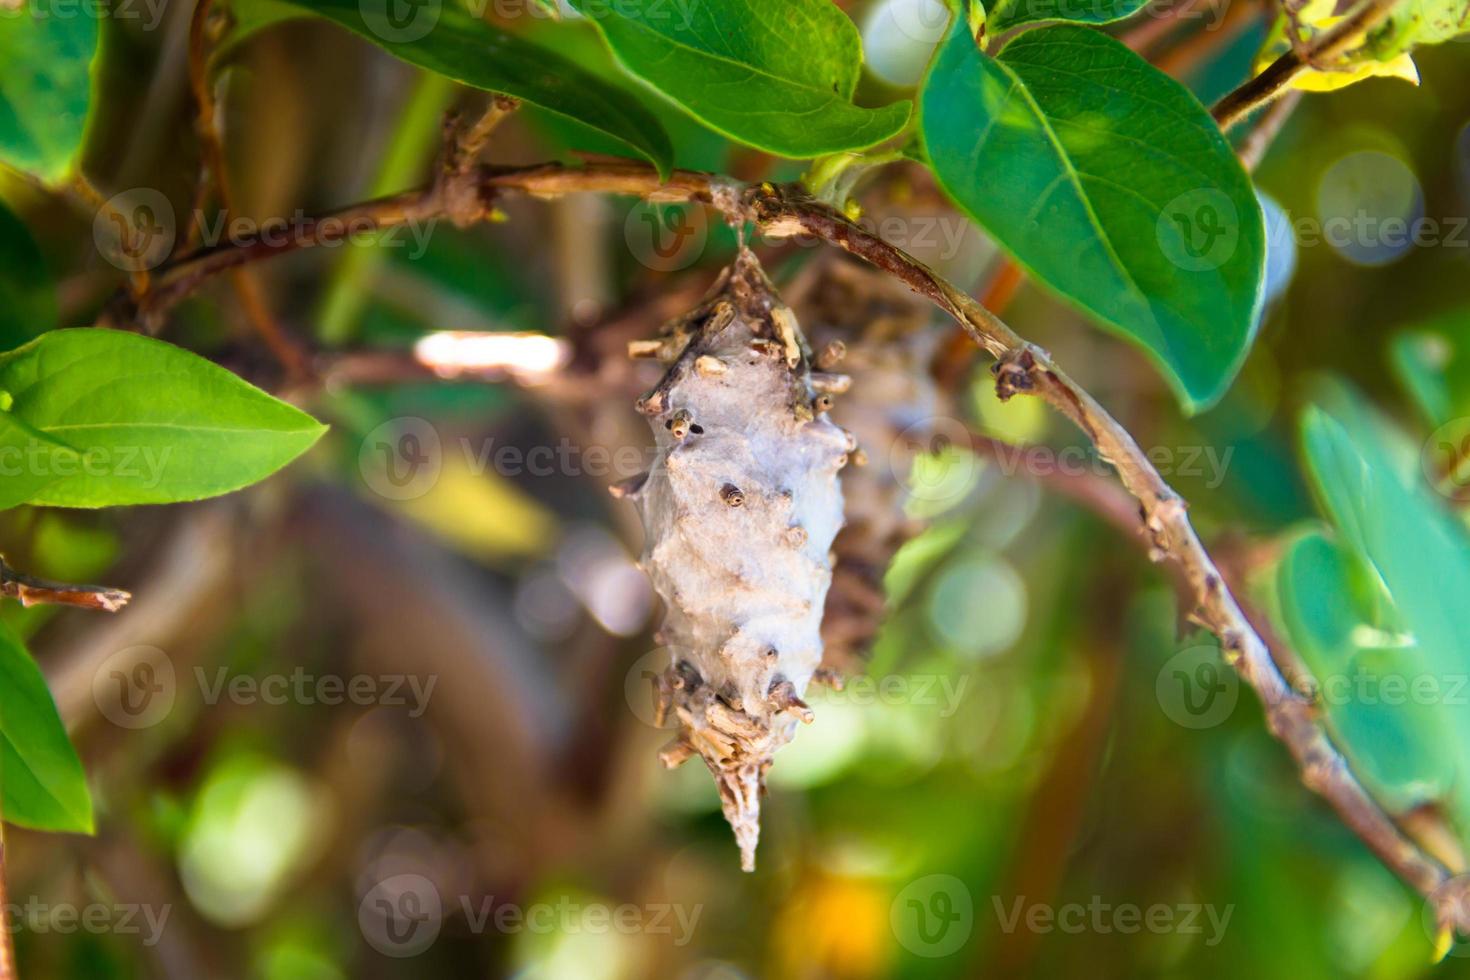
{"x": 739, "y": 510}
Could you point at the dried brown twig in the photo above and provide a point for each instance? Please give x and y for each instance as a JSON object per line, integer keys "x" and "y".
{"x": 1020, "y": 368}
{"x": 32, "y": 591}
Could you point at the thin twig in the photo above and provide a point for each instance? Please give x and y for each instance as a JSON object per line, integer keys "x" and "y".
{"x": 1021, "y": 368}
{"x": 32, "y": 591}
{"x": 214, "y": 173}
{"x": 1263, "y": 133}
{"x": 1272, "y": 82}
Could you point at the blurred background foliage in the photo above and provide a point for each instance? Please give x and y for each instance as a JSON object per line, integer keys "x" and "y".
{"x": 1027, "y": 743}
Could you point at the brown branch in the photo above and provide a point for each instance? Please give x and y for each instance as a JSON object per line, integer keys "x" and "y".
{"x": 213, "y": 172}
{"x": 1272, "y": 82}
{"x": 32, "y": 591}
{"x": 1021, "y": 368}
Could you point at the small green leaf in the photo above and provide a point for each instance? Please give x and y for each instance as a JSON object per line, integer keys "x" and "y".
{"x": 27, "y": 297}
{"x": 441, "y": 37}
{"x": 1432, "y": 361}
{"x": 778, "y": 75}
{"x": 148, "y": 423}
{"x": 1112, "y": 185}
{"x": 1005, "y": 14}
{"x": 45, "y": 86}
{"x": 42, "y": 785}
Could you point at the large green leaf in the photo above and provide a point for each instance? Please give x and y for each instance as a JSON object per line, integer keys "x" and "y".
{"x": 27, "y": 297}
{"x": 778, "y": 75}
{"x": 442, "y": 37}
{"x": 1368, "y": 477}
{"x": 1112, "y": 185}
{"x": 1005, "y": 14}
{"x": 1365, "y": 667}
{"x": 150, "y": 423}
{"x": 45, "y": 86}
{"x": 42, "y": 784}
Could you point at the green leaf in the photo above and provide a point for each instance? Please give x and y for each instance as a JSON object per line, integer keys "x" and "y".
{"x": 45, "y": 86}
{"x": 1006, "y": 14}
{"x": 150, "y": 423}
{"x": 1359, "y": 659}
{"x": 42, "y": 784}
{"x": 443, "y": 38}
{"x": 1368, "y": 477}
{"x": 27, "y": 297}
{"x": 1415, "y": 23}
{"x": 1111, "y": 184}
{"x": 1432, "y": 361}
{"x": 778, "y": 75}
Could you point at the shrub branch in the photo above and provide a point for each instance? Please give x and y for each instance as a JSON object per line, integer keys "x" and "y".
{"x": 1021, "y": 368}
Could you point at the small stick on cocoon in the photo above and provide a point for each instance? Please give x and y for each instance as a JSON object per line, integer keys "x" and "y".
{"x": 740, "y": 509}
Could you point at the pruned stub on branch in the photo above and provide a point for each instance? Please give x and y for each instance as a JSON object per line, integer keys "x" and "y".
{"x": 877, "y": 329}
{"x": 739, "y": 511}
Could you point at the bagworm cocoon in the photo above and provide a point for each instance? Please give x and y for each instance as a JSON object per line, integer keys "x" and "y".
{"x": 740, "y": 509}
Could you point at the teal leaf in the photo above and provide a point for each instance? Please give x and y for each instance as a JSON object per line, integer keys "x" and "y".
{"x": 27, "y": 296}
{"x": 1432, "y": 361}
{"x": 147, "y": 422}
{"x": 45, "y": 86}
{"x": 1006, "y": 14}
{"x": 42, "y": 784}
{"x": 778, "y": 75}
{"x": 1361, "y": 659}
{"x": 1368, "y": 477}
{"x": 441, "y": 37}
{"x": 1111, "y": 184}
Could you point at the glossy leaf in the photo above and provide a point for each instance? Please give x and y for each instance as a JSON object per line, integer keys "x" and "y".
{"x": 778, "y": 75}
{"x": 1112, "y": 185}
{"x": 27, "y": 296}
{"x": 148, "y": 422}
{"x": 1006, "y": 14}
{"x": 42, "y": 784}
{"x": 45, "y": 86}
{"x": 442, "y": 37}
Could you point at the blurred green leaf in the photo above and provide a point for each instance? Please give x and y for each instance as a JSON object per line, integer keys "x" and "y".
{"x": 1395, "y": 749}
{"x": 27, "y": 297}
{"x": 1432, "y": 361}
{"x": 42, "y": 784}
{"x": 45, "y": 86}
{"x": 778, "y": 75}
{"x": 1112, "y": 185}
{"x": 1006, "y": 14}
{"x": 1367, "y": 476}
{"x": 446, "y": 39}
{"x": 150, "y": 423}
